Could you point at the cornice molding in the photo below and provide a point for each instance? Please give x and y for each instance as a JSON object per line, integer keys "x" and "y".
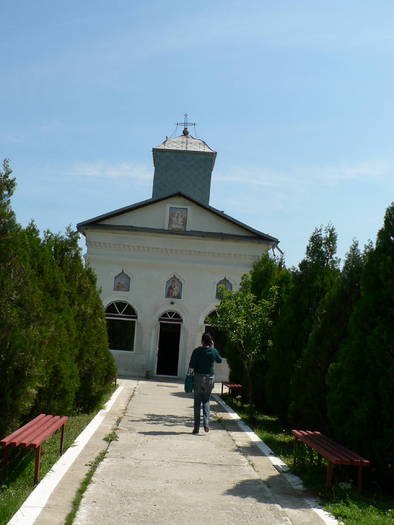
{"x": 167, "y": 252}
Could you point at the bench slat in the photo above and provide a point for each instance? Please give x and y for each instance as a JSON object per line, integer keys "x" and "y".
{"x": 32, "y": 435}
{"x": 31, "y": 432}
{"x": 7, "y": 440}
{"x": 338, "y": 451}
{"x": 34, "y": 438}
{"x": 48, "y": 432}
{"x": 329, "y": 449}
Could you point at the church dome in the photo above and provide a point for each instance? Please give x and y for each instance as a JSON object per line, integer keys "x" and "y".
{"x": 185, "y": 142}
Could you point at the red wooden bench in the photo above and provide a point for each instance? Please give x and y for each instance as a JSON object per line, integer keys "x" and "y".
{"x": 233, "y": 388}
{"x": 32, "y": 435}
{"x": 334, "y": 453}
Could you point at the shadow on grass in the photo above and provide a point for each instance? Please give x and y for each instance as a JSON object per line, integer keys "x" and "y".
{"x": 373, "y": 506}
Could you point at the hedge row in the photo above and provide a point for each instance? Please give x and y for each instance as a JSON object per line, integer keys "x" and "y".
{"x": 330, "y": 362}
{"x": 54, "y": 355}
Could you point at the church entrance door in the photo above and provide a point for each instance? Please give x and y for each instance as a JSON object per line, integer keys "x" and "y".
{"x": 168, "y": 347}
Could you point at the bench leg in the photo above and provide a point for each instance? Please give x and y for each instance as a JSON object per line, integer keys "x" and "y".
{"x": 5, "y": 456}
{"x": 360, "y": 479}
{"x": 62, "y": 441}
{"x": 330, "y": 471}
{"x": 37, "y": 465}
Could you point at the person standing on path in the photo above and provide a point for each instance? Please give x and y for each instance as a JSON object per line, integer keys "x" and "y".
{"x": 201, "y": 362}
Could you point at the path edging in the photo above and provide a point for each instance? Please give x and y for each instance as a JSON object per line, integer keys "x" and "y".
{"x": 293, "y": 480}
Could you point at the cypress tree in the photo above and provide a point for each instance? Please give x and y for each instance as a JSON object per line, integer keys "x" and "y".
{"x": 59, "y": 375}
{"x": 20, "y": 299}
{"x": 308, "y": 389}
{"x": 95, "y": 365}
{"x": 310, "y": 282}
{"x": 361, "y": 382}
{"x": 267, "y": 272}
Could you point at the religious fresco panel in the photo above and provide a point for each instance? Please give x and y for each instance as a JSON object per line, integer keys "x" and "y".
{"x": 122, "y": 282}
{"x": 177, "y": 219}
{"x": 173, "y": 288}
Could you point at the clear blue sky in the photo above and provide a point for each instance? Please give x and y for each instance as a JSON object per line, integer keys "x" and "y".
{"x": 297, "y": 98}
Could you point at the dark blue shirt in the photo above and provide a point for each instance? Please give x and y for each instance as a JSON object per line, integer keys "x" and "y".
{"x": 202, "y": 359}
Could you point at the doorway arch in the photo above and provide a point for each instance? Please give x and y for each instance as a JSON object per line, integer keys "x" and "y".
{"x": 170, "y": 323}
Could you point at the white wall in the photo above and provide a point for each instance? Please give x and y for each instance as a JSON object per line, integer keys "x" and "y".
{"x": 150, "y": 260}
{"x": 156, "y": 216}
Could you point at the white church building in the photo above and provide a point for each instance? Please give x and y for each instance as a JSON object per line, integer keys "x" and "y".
{"x": 160, "y": 262}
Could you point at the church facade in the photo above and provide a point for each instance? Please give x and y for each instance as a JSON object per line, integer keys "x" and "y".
{"x": 161, "y": 262}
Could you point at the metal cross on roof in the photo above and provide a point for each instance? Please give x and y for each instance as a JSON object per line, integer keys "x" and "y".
{"x": 185, "y": 124}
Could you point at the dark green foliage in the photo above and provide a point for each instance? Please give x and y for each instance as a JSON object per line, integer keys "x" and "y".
{"x": 308, "y": 389}
{"x": 247, "y": 322}
{"x": 361, "y": 382}
{"x": 20, "y": 299}
{"x": 315, "y": 276}
{"x": 54, "y": 354}
{"x": 95, "y": 364}
{"x": 268, "y": 272}
{"x": 58, "y": 380}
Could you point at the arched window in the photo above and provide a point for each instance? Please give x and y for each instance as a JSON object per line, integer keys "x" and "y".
{"x": 122, "y": 282}
{"x": 170, "y": 317}
{"x": 121, "y": 318}
{"x": 226, "y": 284}
{"x": 218, "y": 336}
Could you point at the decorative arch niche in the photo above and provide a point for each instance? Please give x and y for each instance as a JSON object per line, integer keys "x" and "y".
{"x": 122, "y": 282}
{"x": 173, "y": 288}
{"x": 223, "y": 283}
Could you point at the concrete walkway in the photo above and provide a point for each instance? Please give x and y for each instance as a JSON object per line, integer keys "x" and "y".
{"x": 158, "y": 473}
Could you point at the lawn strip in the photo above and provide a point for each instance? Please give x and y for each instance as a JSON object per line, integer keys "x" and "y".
{"x": 369, "y": 508}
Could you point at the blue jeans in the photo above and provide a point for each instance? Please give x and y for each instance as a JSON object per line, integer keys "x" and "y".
{"x": 203, "y": 385}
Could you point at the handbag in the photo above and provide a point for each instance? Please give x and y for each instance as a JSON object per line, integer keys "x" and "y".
{"x": 189, "y": 382}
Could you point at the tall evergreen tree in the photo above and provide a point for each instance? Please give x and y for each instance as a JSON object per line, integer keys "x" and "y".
{"x": 54, "y": 354}
{"x": 361, "y": 382}
{"x": 59, "y": 375}
{"x": 308, "y": 389}
{"x": 267, "y": 272}
{"x": 315, "y": 276}
{"x": 20, "y": 333}
{"x": 94, "y": 362}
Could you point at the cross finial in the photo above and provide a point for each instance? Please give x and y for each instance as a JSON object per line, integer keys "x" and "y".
{"x": 185, "y": 124}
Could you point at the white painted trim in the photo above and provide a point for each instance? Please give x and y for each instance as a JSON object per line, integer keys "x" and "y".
{"x": 34, "y": 504}
{"x": 280, "y": 466}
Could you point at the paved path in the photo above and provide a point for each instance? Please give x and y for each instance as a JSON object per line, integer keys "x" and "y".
{"x": 158, "y": 473}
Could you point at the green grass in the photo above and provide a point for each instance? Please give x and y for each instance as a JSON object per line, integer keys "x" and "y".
{"x": 112, "y": 436}
{"x": 372, "y": 507}
{"x": 16, "y": 482}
